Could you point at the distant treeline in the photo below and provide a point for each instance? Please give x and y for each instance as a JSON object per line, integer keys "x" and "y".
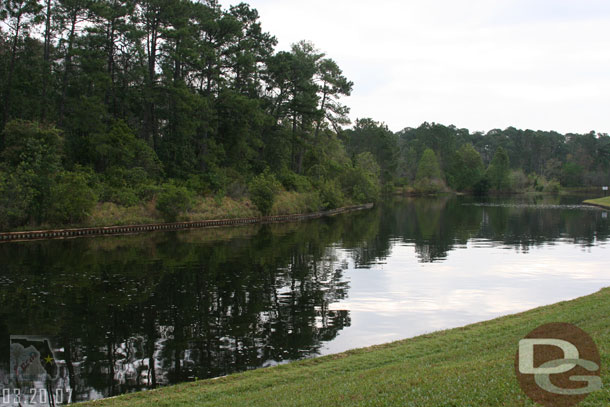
{"x": 165, "y": 101}
{"x": 509, "y": 159}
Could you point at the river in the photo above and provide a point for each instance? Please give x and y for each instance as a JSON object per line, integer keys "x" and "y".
{"x": 127, "y": 313}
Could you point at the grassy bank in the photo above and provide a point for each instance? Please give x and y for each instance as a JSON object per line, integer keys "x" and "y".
{"x": 203, "y": 208}
{"x": 470, "y": 366}
{"x": 603, "y": 202}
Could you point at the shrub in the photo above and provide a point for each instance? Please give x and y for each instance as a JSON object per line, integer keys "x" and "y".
{"x": 295, "y": 182}
{"x": 263, "y": 190}
{"x": 237, "y": 190}
{"x": 16, "y": 199}
{"x": 499, "y": 170}
{"x": 467, "y": 169}
{"x": 482, "y": 187}
{"x": 217, "y": 179}
{"x": 429, "y": 186}
{"x": 429, "y": 176}
{"x": 173, "y": 200}
{"x": 127, "y": 186}
{"x": 518, "y": 180}
{"x": 33, "y": 154}
{"x": 571, "y": 175}
{"x": 360, "y": 185}
{"x": 553, "y": 187}
{"x": 119, "y": 147}
{"x": 331, "y": 195}
{"x": 122, "y": 196}
{"x": 428, "y": 166}
{"x": 72, "y": 199}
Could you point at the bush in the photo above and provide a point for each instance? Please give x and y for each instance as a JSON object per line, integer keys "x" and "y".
{"x": 119, "y": 147}
{"x": 263, "y": 190}
{"x": 427, "y": 186}
{"x": 552, "y": 187}
{"x": 429, "y": 176}
{"x": 16, "y": 199}
{"x": 360, "y": 185}
{"x": 518, "y": 180}
{"x": 295, "y": 182}
{"x": 498, "y": 171}
{"x": 71, "y": 199}
{"x": 571, "y": 175}
{"x": 173, "y": 200}
{"x": 482, "y": 187}
{"x": 127, "y": 186}
{"x": 32, "y": 154}
{"x": 428, "y": 166}
{"x": 331, "y": 195}
{"x": 125, "y": 196}
{"x": 467, "y": 169}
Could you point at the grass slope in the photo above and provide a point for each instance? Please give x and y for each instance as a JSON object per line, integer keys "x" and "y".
{"x": 470, "y": 366}
{"x": 603, "y": 202}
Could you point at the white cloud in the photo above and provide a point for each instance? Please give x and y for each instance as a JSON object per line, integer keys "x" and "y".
{"x": 481, "y": 64}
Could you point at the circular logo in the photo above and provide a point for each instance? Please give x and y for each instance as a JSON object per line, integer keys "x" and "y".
{"x": 558, "y": 365}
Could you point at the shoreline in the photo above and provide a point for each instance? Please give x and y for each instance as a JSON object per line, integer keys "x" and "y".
{"x": 471, "y": 365}
{"x": 49, "y": 234}
{"x": 603, "y": 203}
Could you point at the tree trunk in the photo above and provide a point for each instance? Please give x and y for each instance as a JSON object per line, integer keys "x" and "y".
{"x": 322, "y": 107}
{"x": 46, "y": 62}
{"x": 152, "y": 63}
{"x": 67, "y": 68}
{"x": 11, "y": 69}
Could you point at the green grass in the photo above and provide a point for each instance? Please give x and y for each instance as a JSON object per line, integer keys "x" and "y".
{"x": 470, "y": 366}
{"x": 603, "y": 202}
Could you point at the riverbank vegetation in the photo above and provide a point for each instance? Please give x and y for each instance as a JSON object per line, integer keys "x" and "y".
{"x": 114, "y": 111}
{"x": 467, "y": 366}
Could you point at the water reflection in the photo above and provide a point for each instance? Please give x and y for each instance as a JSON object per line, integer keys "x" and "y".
{"x": 136, "y": 312}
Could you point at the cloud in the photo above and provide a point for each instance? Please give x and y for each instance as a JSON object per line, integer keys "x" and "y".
{"x": 540, "y": 64}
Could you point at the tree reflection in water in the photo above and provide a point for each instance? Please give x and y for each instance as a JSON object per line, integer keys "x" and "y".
{"x": 136, "y": 312}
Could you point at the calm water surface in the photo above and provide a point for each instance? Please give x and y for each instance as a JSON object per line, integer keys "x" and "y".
{"x": 128, "y": 313}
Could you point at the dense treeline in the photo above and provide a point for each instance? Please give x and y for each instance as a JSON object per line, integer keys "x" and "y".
{"x": 164, "y": 102}
{"x": 110, "y": 99}
{"x": 509, "y": 159}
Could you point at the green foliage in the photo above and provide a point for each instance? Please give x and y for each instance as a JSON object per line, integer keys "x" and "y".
{"x": 467, "y": 170}
{"x": 126, "y": 186}
{"x": 119, "y": 147}
{"x": 428, "y": 167}
{"x": 553, "y": 187}
{"x": 294, "y": 182}
{"x": 571, "y": 174}
{"x": 191, "y": 93}
{"x": 482, "y": 187}
{"x": 17, "y": 196}
{"x": 32, "y": 154}
{"x": 518, "y": 181}
{"x": 360, "y": 185}
{"x": 367, "y": 162}
{"x": 263, "y": 190}
{"x": 499, "y": 170}
{"x": 361, "y": 182}
{"x": 331, "y": 195}
{"x": 429, "y": 177}
{"x": 173, "y": 200}
{"x": 369, "y": 136}
{"x": 427, "y": 186}
{"x": 72, "y": 199}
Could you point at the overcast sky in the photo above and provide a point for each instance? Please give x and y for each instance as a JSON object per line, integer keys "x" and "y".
{"x": 479, "y": 64}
